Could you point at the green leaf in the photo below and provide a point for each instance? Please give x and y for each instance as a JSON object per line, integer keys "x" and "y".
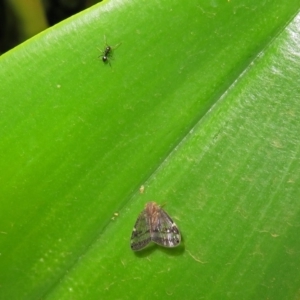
{"x": 199, "y": 104}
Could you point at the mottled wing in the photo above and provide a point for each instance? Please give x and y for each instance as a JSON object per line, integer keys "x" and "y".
{"x": 140, "y": 237}
{"x": 165, "y": 232}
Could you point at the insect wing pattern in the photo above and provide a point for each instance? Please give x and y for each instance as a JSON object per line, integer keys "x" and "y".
{"x": 140, "y": 237}
{"x": 165, "y": 232}
{"x": 154, "y": 224}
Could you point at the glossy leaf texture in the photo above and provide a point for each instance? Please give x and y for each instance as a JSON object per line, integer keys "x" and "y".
{"x": 200, "y": 104}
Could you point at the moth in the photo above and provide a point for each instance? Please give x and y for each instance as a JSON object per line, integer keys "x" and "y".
{"x": 154, "y": 224}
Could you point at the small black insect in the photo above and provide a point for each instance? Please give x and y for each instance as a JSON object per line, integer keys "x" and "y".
{"x": 108, "y": 52}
